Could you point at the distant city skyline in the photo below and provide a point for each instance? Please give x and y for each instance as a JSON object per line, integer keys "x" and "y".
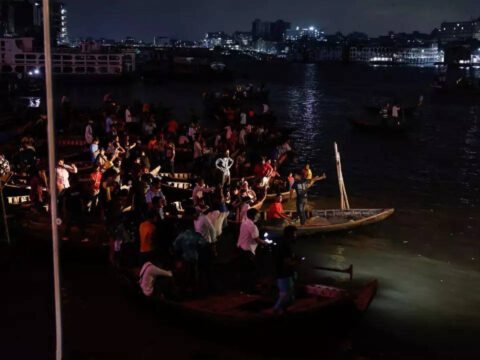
{"x": 190, "y": 20}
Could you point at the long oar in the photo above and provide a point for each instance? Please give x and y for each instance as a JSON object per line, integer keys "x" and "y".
{"x": 348, "y": 270}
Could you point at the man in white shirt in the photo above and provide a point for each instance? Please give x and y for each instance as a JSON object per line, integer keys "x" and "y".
{"x": 248, "y": 240}
{"x": 224, "y": 164}
{"x": 63, "y": 171}
{"x": 148, "y": 275}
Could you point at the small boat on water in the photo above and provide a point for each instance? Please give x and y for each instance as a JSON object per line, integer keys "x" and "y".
{"x": 177, "y": 190}
{"x": 285, "y": 195}
{"x": 330, "y": 220}
{"x": 177, "y": 176}
{"x": 238, "y": 309}
{"x": 389, "y": 125}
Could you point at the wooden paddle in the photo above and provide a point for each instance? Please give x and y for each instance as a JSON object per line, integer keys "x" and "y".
{"x": 348, "y": 270}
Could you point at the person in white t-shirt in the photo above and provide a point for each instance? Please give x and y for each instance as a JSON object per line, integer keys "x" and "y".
{"x": 248, "y": 240}
{"x": 249, "y": 237}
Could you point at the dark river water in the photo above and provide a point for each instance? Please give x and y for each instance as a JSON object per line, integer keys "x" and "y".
{"x": 427, "y": 255}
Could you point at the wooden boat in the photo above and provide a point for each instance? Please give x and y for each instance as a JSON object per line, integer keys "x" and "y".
{"x": 259, "y": 202}
{"x": 322, "y": 221}
{"x": 285, "y": 195}
{"x": 177, "y": 176}
{"x": 177, "y": 190}
{"x": 379, "y": 125}
{"x": 238, "y": 309}
{"x": 40, "y": 225}
{"x": 330, "y": 220}
{"x": 17, "y": 190}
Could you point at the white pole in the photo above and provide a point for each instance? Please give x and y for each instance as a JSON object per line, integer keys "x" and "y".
{"x": 52, "y": 176}
{"x": 344, "y": 204}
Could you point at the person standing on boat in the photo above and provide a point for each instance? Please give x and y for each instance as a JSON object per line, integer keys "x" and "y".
{"x": 147, "y": 232}
{"x": 170, "y": 157}
{"x": 248, "y": 240}
{"x": 63, "y": 175}
{"x": 307, "y": 172}
{"x": 301, "y": 186}
{"x": 285, "y": 261}
{"x": 224, "y": 164}
{"x": 395, "y": 113}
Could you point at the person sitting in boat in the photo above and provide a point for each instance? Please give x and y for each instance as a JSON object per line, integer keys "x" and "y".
{"x": 275, "y": 215}
{"x": 285, "y": 261}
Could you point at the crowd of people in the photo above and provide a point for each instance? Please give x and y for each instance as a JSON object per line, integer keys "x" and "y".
{"x": 115, "y": 181}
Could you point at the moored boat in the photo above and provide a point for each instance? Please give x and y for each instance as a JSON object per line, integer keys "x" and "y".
{"x": 389, "y": 124}
{"x": 239, "y": 309}
{"x": 331, "y": 220}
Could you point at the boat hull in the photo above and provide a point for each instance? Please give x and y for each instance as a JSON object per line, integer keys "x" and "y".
{"x": 336, "y": 220}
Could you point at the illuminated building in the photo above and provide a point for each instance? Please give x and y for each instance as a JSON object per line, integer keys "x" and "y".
{"x": 459, "y": 31}
{"x": 396, "y": 54}
{"x": 18, "y": 55}
{"x": 311, "y": 32}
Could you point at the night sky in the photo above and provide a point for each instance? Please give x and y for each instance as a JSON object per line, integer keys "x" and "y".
{"x": 190, "y": 19}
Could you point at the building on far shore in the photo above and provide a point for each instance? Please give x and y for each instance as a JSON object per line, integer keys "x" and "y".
{"x": 460, "y": 31}
{"x": 20, "y": 56}
{"x": 407, "y": 55}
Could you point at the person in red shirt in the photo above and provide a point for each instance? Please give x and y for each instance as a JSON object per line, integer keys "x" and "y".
{"x": 95, "y": 182}
{"x": 258, "y": 169}
{"x": 275, "y": 215}
{"x": 152, "y": 143}
{"x": 172, "y": 126}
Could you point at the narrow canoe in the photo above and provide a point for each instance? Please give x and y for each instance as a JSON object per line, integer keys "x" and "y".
{"x": 285, "y": 195}
{"x": 322, "y": 221}
{"x": 177, "y": 190}
{"x": 239, "y": 309}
